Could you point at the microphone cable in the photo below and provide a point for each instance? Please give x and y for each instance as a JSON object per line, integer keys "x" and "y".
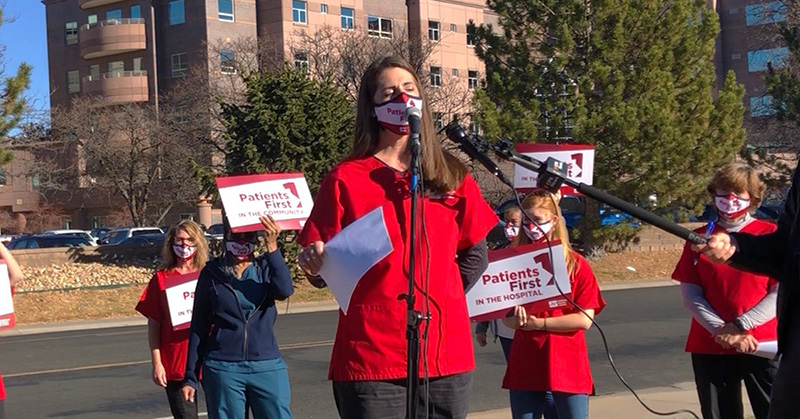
{"x": 591, "y": 318}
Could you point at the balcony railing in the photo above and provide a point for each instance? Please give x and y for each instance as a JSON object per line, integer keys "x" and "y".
{"x": 113, "y": 36}
{"x": 114, "y": 75}
{"x": 118, "y": 86}
{"x": 112, "y": 22}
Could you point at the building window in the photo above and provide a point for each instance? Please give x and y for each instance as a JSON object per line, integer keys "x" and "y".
{"x": 379, "y": 27}
{"x": 301, "y": 61}
{"x": 67, "y": 224}
{"x": 179, "y": 64}
{"x": 438, "y": 120}
{"x": 177, "y": 14}
{"x": 115, "y": 14}
{"x": 225, "y": 10}
{"x": 73, "y": 81}
{"x": 436, "y": 76}
{"x": 91, "y": 19}
{"x": 762, "y": 106}
{"x": 94, "y": 72}
{"x": 433, "y": 31}
{"x": 736, "y": 56}
{"x": 759, "y": 60}
{"x": 455, "y": 72}
{"x": 348, "y": 16}
{"x": 299, "y": 11}
{"x": 765, "y": 13}
{"x": 181, "y": 114}
{"x": 136, "y": 12}
{"x": 323, "y": 8}
{"x": 470, "y": 36}
{"x": 472, "y": 79}
{"x": 116, "y": 68}
{"x": 453, "y": 27}
{"x": 137, "y": 64}
{"x": 71, "y": 32}
{"x": 226, "y": 62}
{"x": 98, "y": 221}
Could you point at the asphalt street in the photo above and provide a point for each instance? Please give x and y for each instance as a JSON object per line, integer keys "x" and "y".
{"x": 106, "y": 373}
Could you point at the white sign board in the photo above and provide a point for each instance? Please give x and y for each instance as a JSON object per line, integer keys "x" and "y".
{"x": 284, "y": 196}
{"x": 578, "y": 157}
{"x": 180, "y": 299}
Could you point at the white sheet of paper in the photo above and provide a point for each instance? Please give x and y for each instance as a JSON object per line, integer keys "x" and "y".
{"x": 767, "y": 349}
{"x": 352, "y": 252}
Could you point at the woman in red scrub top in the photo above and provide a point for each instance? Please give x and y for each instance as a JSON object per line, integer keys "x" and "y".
{"x": 185, "y": 251}
{"x": 368, "y": 363}
{"x": 549, "y": 348}
{"x": 14, "y": 276}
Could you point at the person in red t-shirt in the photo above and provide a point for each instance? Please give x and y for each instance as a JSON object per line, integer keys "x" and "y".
{"x": 14, "y": 276}
{"x": 548, "y": 353}
{"x": 368, "y": 363}
{"x": 185, "y": 251}
{"x": 732, "y": 310}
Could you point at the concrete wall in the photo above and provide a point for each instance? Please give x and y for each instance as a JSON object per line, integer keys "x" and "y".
{"x": 651, "y": 238}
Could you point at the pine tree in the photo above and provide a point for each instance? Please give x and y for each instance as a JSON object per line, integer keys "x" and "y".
{"x": 289, "y": 122}
{"x": 635, "y": 78}
{"x": 12, "y": 101}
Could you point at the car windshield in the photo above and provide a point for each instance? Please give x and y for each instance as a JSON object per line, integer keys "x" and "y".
{"x": 146, "y": 231}
{"x": 216, "y": 229}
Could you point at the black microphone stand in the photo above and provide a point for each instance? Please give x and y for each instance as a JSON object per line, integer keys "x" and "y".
{"x": 552, "y": 174}
{"x": 414, "y": 318}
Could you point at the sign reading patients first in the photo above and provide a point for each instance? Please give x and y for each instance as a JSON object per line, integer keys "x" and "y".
{"x": 523, "y": 275}
{"x": 284, "y": 196}
{"x": 578, "y": 157}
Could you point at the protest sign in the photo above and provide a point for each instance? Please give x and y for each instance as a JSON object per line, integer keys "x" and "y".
{"x": 180, "y": 299}
{"x": 284, "y": 196}
{"x": 578, "y": 157}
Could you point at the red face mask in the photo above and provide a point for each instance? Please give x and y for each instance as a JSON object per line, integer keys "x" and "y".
{"x": 730, "y": 206}
{"x": 392, "y": 113}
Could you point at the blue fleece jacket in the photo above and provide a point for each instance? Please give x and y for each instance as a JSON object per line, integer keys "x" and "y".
{"x": 219, "y": 327}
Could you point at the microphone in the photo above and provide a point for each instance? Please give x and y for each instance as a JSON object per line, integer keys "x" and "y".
{"x": 414, "y": 116}
{"x": 457, "y": 135}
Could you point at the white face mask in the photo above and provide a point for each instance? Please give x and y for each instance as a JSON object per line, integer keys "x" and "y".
{"x": 184, "y": 252}
{"x": 511, "y": 231}
{"x": 392, "y": 113}
{"x": 240, "y": 249}
{"x": 536, "y": 234}
{"x": 731, "y": 206}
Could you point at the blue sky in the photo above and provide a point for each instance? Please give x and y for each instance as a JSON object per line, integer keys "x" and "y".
{"x": 26, "y": 41}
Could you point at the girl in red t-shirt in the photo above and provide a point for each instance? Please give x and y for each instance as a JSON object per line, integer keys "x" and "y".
{"x": 185, "y": 251}
{"x": 14, "y": 276}
{"x": 549, "y": 349}
{"x": 732, "y": 310}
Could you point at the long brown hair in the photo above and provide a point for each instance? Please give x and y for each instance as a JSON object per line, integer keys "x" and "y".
{"x": 543, "y": 199}
{"x": 441, "y": 171}
{"x": 168, "y": 259}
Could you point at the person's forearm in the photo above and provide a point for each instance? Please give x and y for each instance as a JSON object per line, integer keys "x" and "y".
{"x": 14, "y": 271}
{"x": 761, "y": 313}
{"x": 699, "y": 307}
{"x": 562, "y": 324}
{"x": 154, "y": 340}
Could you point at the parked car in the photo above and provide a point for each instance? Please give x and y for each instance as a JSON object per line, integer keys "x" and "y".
{"x": 80, "y": 233}
{"x": 215, "y": 232}
{"x": 144, "y": 240}
{"x": 120, "y": 234}
{"x": 98, "y": 233}
{"x": 41, "y": 241}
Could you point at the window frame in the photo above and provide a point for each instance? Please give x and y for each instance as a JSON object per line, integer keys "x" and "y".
{"x": 139, "y": 13}
{"x": 302, "y": 14}
{"x": 178, "y": 73}
{"x": 351, "y": 19}
{"x": 182, "y": 10}
{"x": 380, "y": 32}
{"x": 226, "y": 56}
{"x": 70, "y": 38}
{"x": 70, "y": 89}
{"x": 472, "y": 82}
{"x": 436, "y": 76}
{"x": 434, "y": 31}
{"x": 225, "y": 16}
{"x": 299, "y": 63}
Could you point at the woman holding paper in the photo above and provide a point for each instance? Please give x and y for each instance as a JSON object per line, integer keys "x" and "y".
{"x": 185, "y": 251}
{"x": 732, "y": 310}
{"x": 231, "y": 337}
{"x": 14, "y": 277}
{"x": 368, "y": 363}
{"x": 548, "y": 353}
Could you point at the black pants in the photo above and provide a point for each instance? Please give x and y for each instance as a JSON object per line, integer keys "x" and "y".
{"x": 719, "y": 384}
{"x": 181, "y": 409}
{"x": 785, "y": 395}
{"x": 449, "y": 398}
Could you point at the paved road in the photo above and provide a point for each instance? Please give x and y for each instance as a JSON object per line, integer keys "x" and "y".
{"x": 105, "y": 373}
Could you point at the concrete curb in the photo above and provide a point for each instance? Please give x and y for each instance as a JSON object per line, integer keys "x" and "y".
{"x": 293, "y": 308}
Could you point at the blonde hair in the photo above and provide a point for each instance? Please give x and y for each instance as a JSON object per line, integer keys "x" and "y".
{"x": 739, "y": 177}
{"x": 168, "y": 258}
{"x": 543, "y": 199}
{"x": 442, "y": 171}
{"x": 511, "y": 210}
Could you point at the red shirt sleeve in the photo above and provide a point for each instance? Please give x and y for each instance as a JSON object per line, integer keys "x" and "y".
{"x": 477, "y": 219}
{"x": 326, "y": 216}
{"x": 685, "y": 270}
{"x": 586, "y": 291}
{"x": 150, "y": 301}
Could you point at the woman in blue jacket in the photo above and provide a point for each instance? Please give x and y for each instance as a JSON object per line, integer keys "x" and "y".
{"x": 231, "y": 337}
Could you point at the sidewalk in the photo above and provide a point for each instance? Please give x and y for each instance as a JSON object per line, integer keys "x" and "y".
{"x": 625, "y": 406}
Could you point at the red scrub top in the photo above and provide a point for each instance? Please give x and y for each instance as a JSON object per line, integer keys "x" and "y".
{"x": 542, "y": 361}
{"x": 729, "y": 291}
{"x": 173, "y": 344}
{"x": 371, "y": 339}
